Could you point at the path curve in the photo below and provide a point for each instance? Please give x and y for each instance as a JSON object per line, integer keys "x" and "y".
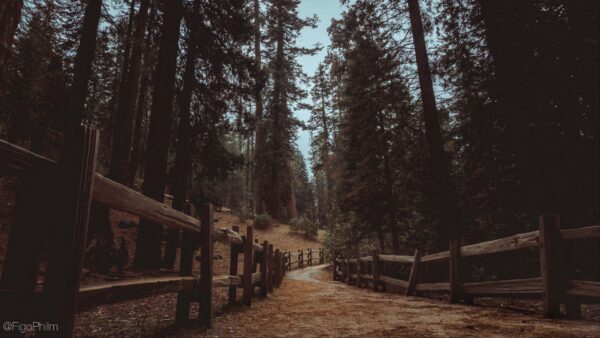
{"x": 309, "y": 304}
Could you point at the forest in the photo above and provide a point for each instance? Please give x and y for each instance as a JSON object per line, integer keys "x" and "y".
{"x": 429, "y": 120}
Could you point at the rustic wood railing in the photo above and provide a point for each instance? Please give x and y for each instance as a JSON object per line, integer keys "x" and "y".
{"x": 303, "y": 257}
{"x": 554, "y": 285}
{"x": 53, "y": 207}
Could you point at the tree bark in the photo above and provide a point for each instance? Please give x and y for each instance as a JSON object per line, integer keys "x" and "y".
{"x": 10, "y": 15}
{"x": 437, "y": 156}
{"x": 75, "y": 102}
{"x": 259, "y": 202}
{"x": 148, "y": 250}
{"x": 183, "y": 159}
{"x": 123, "y": 136}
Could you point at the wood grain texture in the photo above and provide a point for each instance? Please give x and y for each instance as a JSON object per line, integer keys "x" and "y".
{"x": 510, "y": 243}
{"x": 583, "y": 288}
{"x": 397, "y": 258}
{"x": 433, "y": 286}
{"x": 393, "y": 281}
{"x": 591, "y": 232}
{"x": 504, "y": 287}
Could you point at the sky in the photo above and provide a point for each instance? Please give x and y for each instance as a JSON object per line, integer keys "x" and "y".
{"x": 325, "y": 10}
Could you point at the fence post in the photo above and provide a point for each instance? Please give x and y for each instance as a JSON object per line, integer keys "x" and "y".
{"x": 248, "y": 268}
{"x": 69, "y": 222}
{"x": 300, "y": 258}
{"x": 283, "y": 263}
{"x": 309, "y": 257}
{"x": 321, "y": 256}
{"x": 233, "y": 267}
{"x": 277, "y": 267}
{"x": 375, "y": 268}
{"x": 358, "y": 271}
{"x": 549, "y": 238}
{"x": 414, "y": 272}
{"x": 264, "y": 269}
{"x": 186, "y": 261}
{"x": 206, "y": 267}
{"x": 572, "y": 303}
{"x": 271, "y": 266}
{"x": 348, "y": 272}
{"x": 455, "y": 287}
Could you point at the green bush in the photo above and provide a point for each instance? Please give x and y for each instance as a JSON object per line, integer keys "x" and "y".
{"x": 304, "y": 225}
{"x": 263, "y": 221}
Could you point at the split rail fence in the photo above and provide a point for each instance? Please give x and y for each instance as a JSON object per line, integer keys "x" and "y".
{"x": 303, "y": 258}
{"x": 554, "y": 286}
{"x": 52, "y": 211}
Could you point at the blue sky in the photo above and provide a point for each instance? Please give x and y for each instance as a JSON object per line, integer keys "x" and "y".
{"x": 325, "y": 10}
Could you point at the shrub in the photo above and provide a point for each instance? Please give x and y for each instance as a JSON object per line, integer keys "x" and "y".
{"x": 263, "y": 221}
{"x": 304, "y": 225}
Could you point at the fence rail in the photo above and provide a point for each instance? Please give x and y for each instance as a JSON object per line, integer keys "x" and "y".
{"x": 54, "y": 206}
{"x": 554, "y": 285}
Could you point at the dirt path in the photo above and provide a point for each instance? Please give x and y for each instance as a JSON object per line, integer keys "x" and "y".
{"x": 309, "y": 304}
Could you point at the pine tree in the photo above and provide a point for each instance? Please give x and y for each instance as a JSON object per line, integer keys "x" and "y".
{"x": 10, "y": 16}
{"x": 273, "y": 164}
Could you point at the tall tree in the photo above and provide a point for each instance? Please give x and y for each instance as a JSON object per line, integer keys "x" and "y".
{"x": 75, "y": 102}
{"x": 10, "y": 15}
{"x": 183, "y": 158}
{"x": 273, "y": 164}
{"x": 147, "y": 250}
{"x": 259, "y": 203}
{"x": 449, "y": 222}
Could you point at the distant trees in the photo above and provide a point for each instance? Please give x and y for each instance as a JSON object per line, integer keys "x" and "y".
{"x": 10, "y": 15}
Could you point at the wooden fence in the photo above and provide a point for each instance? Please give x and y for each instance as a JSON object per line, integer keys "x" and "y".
{"x": 301, "y": 258}
{"x": 53, "y": 210}
{"x": 554, "y": 286}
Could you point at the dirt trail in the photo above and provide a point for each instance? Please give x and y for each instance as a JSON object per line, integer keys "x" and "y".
{"x": 309, "y": 304}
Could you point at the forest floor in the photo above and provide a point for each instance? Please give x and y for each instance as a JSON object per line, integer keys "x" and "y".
{"x": 309, "y": 304}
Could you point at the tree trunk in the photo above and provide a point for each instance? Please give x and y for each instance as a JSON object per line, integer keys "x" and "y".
{"x": 10, "y": 15}
{"x": 183, "y": 159}
{"x": 148, "y": 250}
{"x": 448, "y": 223}
{"x": 130, "y": 80}
{"x": 259, "y": 202}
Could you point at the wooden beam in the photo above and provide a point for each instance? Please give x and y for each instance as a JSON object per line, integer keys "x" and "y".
{"x": 510, "y": 243}
{"x": 105, "y": 191}
{"x": 583, "y": 288}
{"x": 432, "y": 287}
{"x": 455, "y": 279}
{"x": 436, "y": 257}
{"x": 264, "y": 269}
{"x": 396, "y": 258}
{"x": 531, "y": 286}
{"x": 591, "y": 232}
{"x": 393, "y": 281}
{"x": 113, "y": 292}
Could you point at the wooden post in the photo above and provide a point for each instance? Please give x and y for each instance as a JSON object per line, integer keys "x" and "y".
{"x": 184, "y": 298}
{"x": 234, "y": 250}
{"x": 358, "y": 271}
{"x": 572, "y": 303}
{"x": 375, "y": 268}
{"x": 549, "y": 238}
{"x": 455, "y": 286}
{"x": 348, "y": 272}
{"x": 321, "y": 256}
{"x": 414, "y": 272}
{"x": 300, "y": 259}
{"x": 69, "y": 223}
{"x": 284, "y": 263}
{"x": 248, "y": 260}
{"x": 271, "y": 273}
{"x": 277, "y": 266}
{"x": 309, "y": 257}
{"x": 206, "y": 267}
{"x": 264, "y": 263}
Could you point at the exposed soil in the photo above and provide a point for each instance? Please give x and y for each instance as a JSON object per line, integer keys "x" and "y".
{"x": 309, "y": 304}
